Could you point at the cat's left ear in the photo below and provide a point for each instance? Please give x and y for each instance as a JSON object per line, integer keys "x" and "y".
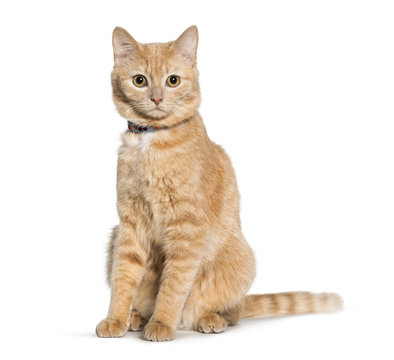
{"x": 186, "y": 45}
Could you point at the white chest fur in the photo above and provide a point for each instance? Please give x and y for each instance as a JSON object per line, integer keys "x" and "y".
{"x": 144, "y": 141}
{"x": 138, "y": 142}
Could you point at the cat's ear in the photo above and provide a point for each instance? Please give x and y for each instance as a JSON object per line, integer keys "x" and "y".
{"x": 186, "y": 45}
{"x": 123, "y": 44}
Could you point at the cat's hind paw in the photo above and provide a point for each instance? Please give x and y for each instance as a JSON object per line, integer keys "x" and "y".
{"x": 137, "y": 321}
{"x": 211, "y": 323}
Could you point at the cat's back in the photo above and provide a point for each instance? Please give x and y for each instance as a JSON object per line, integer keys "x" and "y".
{"x": 220, "y": 184}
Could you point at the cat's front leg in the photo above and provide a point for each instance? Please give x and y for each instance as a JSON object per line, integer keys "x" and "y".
{"x": 183, "y": 251}
{"x": 128, "y": 264}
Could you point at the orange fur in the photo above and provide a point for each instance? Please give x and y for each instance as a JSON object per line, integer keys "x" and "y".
{"x": 178, "y": 258}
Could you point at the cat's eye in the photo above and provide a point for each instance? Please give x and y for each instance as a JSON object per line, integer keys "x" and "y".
{"x": 139, "y": 80}
{"x": 173, "y": 80}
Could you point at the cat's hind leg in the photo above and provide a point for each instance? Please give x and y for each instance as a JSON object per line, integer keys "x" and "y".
{"x": 136, "y": 321}
{"x": 217, "y": 295}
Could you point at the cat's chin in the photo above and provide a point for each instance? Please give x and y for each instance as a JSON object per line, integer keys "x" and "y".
{"x": 157, "y": 114}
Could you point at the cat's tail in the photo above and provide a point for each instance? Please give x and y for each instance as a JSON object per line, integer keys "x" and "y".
{"x": 289, "y": 303}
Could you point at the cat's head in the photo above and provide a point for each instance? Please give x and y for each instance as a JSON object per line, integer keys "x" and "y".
{"x": 156, "y": 84}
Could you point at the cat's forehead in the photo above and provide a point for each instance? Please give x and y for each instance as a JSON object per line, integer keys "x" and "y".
{"x": 157, "y": 58}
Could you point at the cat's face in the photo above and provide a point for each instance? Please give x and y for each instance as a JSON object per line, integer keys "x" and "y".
{"x": 155, "y": 82}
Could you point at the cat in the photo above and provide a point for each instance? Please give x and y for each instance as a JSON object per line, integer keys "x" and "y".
{"x": 178, "y": 259}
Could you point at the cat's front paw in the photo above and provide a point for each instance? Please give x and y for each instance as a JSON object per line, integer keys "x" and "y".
{"x": 156, "y": 331}
{"x": 111, "y": 328}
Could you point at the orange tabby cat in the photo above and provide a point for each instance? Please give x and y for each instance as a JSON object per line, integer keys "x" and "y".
{"x": 178, "y": 258}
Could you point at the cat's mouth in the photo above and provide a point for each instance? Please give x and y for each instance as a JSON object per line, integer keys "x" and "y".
{"x": 157, "y": 113}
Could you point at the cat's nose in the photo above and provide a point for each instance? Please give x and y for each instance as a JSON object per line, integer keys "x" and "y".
{"x": 156, "y": 99}
{"x": 157, "y": 95}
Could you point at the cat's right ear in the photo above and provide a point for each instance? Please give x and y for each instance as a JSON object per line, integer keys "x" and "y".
{"x": 123, "y": 44}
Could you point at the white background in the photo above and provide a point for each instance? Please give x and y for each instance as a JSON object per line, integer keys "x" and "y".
{"x": 299, "y": 93}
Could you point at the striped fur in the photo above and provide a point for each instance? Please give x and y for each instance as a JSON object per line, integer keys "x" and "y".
{"x": 178, "y": 259}
{"x": 289, "y": 303}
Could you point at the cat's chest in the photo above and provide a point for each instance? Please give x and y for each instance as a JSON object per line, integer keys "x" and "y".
{"x": 145, "y": 171}
{"x": 137, "y": 145}
{"x": 144, "y": 142}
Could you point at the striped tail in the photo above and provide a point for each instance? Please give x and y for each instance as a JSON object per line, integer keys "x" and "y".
{"x": 289, "y": 303}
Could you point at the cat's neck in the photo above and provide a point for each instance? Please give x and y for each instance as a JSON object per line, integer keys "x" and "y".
{"x": 190, "y": 130}
{"x": 135, "y": 127}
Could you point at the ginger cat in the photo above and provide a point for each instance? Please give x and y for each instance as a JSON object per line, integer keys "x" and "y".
{"x": 178, "y": 258}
